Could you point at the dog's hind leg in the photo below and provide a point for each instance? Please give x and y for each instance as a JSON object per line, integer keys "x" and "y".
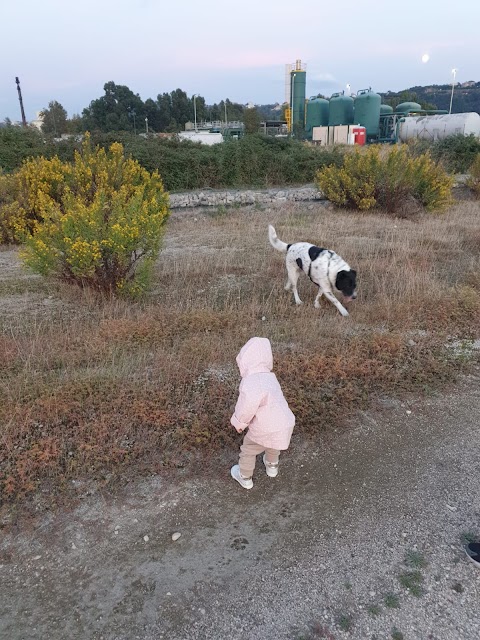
{"x": 293, "y": 275}
{"x": 316, "y": 304}
{"x": 334, "y": 301}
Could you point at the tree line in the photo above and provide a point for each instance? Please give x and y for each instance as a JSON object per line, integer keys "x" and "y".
{"x": 120, "y": 109}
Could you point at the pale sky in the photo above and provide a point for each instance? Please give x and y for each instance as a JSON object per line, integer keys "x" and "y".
{"x": 66, "y": 51}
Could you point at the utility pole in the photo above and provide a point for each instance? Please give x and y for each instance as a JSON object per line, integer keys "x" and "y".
{"x": 454, "y": 73}
{"x": 24, "y": 120}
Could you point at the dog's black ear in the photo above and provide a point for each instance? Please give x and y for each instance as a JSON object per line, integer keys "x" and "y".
{"x": 353, "y": 272}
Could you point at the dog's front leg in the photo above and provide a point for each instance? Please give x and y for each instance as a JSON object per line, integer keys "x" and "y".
{"x": 334, "y": 301}
{"x": 316, "y": 304}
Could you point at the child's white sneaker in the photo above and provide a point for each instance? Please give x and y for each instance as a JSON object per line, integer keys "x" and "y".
{"x": 247, "y": 483}
{"x": 271, "y": 468}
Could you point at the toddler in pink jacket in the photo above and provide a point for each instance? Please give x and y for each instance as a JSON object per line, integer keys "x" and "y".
{"x": 262, "y": 408}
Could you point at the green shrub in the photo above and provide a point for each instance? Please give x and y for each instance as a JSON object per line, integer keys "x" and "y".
{"x": 473, "y": 180}
{"x": 455, "y": 153}
{"x": 17, "y": 144}
{"x": 253, "y": 161}
{"x": 97, "y": 222}
{"x": 389, "y": 179}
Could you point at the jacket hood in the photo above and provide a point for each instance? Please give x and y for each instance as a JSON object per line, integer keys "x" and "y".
{"x": 255, "y": 357}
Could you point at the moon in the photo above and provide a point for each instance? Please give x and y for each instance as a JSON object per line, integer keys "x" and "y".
{"x": 425, "y": 58}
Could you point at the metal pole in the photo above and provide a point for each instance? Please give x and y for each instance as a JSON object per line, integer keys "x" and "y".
{"x": 454, "y": 73}
{"x": 146, "y": 124}
{"x": 24, "y": 120}
{"x": 195, "y": 110}
{"x": 226, "y": 121}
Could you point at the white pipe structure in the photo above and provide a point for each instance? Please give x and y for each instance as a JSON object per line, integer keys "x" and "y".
{"x": 454, "y": 73}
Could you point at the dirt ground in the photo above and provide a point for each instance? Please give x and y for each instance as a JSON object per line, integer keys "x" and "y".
{"x": 318, "y": 552}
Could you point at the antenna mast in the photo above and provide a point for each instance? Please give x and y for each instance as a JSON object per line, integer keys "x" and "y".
{"x": 24, "y": 120}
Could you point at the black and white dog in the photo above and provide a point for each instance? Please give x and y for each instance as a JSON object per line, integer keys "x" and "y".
{"x": 325, "y": 268}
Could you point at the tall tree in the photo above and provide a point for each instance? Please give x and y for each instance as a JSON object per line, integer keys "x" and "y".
{"x": 54, "y": 119}
{"x": 251, "y": 120}
{"x": 118, "y": 110}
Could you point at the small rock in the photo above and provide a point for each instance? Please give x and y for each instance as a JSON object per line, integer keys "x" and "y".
{"x": 202, "y": 611}
{"x": 264, "y": 318}
{"x": 449, "y": 506}
{"x": 36, "y": 557}
{"x": 168, "y": 593}
{"x": 176, "y": 536}
{"x": 408, "y": 412}
{"x": 117, "y": 527}
{"x": 404, "y": 535}
{"x": 146, "y": 538}
{"x": 372, "y": 594}
{"x": 411, "y": 343}
{"x": 74, "y": 546}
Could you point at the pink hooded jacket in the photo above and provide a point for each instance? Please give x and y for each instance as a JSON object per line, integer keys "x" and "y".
{"x": 261, "y": 405}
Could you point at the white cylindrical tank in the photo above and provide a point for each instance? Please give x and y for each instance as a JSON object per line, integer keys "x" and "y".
{"x": 439, "y": 127}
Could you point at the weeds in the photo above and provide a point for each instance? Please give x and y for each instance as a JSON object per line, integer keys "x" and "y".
{"x": 345, "y": 622}
{"x": 415, "y": 559}
{"x": 396, "y": 634}
{"x": 392, "y": 601}
{"x": 412, "y": 581}
{"x": 468, "y": 536}
{"x": 374, "y": 610}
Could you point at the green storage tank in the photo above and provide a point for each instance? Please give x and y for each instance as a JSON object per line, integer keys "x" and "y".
{"x": 298, "y": 82}
{"x": 341, "y": 110}
{"x": 317, "y": 115}
{"x": 407, "y": 107}
{"x": 386, "y": 110}
{"x": 367, "y": 111}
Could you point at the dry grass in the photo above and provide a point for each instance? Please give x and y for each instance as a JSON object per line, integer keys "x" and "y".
{"x": 94, "y": 388}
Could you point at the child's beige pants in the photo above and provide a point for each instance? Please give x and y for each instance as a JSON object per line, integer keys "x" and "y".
{"x": 248, "y": 454}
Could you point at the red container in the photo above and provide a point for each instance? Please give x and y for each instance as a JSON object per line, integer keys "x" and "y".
{"x": 359, "y": 135}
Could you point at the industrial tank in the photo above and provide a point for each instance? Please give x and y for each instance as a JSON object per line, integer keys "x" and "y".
{"x": 298, "y": 81}
{"x": 386, "y": 110}
{"x": 341, "y": 110}
{"x": 439, "y": 127}
{"x": 367, "y": 111}
{"x": 407, "y": 107}
{"x": 317, "y": 115}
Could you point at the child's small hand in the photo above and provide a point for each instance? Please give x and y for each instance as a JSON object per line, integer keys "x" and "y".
{"x": 238, "y": 430}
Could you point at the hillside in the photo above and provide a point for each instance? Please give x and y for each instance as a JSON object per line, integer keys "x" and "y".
{"x": 466, "y": 96}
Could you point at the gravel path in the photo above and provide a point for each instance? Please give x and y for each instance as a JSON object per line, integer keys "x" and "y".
{"x": 319, "y": 552}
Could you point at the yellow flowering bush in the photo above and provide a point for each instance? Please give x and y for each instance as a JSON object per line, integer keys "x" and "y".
{"x": 97, "y": 222}
{"x": 13, "y": 223}
{"x": 371, "y": 178}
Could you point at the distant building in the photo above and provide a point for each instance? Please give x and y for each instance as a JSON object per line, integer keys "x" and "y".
{"x": 205, "y": 137}
{"x": 38, "y": 122}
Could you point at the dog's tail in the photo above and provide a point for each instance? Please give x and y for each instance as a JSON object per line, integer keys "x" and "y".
{"x": 275, "y": 242}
